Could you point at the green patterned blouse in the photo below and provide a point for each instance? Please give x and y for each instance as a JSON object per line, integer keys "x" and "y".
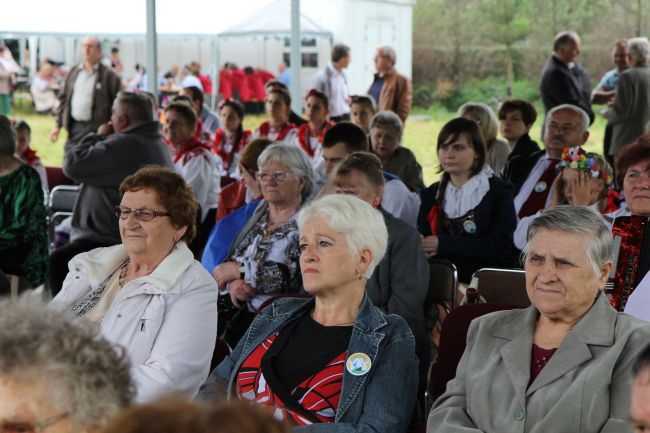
{"x": 23, "y": 230}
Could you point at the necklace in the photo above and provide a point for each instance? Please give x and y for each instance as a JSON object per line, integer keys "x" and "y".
{"x": 123, "y": 271}
{"x": 311, "y": 314}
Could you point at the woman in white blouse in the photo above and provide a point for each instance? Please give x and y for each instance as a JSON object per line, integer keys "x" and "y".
{"x": 197, "y": 164}
{"x": 468, "y": 217}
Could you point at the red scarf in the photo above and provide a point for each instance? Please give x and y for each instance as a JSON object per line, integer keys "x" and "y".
{"x": 30, "y": 156}
{"x": 432, "y": 218}
{"x": 265, "y": 128}
{"x": 199, "y": 129}
{"x": 613, "y": 201}
{"x": 304, "y": 133}
{"x": 192, "y": 144}
{"x": 220, "y": 143}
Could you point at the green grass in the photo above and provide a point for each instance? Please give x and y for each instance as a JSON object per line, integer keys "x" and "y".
{"x": 420, "y": 135}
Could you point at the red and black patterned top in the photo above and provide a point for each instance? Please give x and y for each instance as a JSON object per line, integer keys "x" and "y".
{"x": 301, "y": 394}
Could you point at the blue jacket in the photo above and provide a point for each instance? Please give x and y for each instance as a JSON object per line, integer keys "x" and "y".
{"x": 223, "y": 234}
{"x": 381, "y": 400}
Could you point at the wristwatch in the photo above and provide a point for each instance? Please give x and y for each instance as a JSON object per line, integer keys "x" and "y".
{"x": 242, "y": 271}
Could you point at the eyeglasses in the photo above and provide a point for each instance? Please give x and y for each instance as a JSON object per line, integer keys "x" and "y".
{"x": 139, "y": 214}
{"x": 27, "y": 427}
{"x": 277, "y": 176}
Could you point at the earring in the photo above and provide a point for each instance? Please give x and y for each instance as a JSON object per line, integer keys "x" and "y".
{"x": 359, "y": 276}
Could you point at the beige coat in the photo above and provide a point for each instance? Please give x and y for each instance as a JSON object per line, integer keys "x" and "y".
{"x": 585, "y": 387}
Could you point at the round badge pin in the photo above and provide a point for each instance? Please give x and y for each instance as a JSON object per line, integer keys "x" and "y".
{"x": 358, "y": 364}
{"x": 469, "y": 226}
{"x": 540, "y": 186}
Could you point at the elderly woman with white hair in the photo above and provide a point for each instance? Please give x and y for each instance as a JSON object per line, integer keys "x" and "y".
{"x": 564, "y": 363}
{"x": 631, "y": 111}
{"x": 57, "y": 376}
{"x": 497, "y": 150}
{"x": 333, "y": 362}
{"x": 386, "y": 131}
{"x": 262, "y": 260}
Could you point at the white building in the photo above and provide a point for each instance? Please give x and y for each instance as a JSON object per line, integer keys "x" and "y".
{"x": 258, "y": 40}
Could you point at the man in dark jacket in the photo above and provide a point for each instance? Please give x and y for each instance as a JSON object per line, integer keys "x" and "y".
{"x": 100, "y": 162}
{"x": 563, "y": 80}
{"x": 88, "y": 94}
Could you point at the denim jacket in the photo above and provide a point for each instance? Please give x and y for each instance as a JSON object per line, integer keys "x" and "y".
{"x": 381, "y": 400}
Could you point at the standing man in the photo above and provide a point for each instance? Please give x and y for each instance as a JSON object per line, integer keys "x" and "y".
{"x": 88, "y": 94}
{"x": 392, "y": 90}
{"x": 332, "y": 82}
{"x": 631, "y": 111}
{"x": 532, "y": 175}
{"x": 563, "y": 80}
{"x": 606, "y": 89}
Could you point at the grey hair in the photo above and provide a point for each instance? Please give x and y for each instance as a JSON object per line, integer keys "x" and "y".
{"x": 295, "y": 160}
{"x": 85, "y": 375}
{"x": 563, "y": 39}
{"x": 362, "y": 225}
{"x": 137, "y": 107}
{"x": 388, "y": 52}
{"x": 95, "y": 40}
{"x": 488, "y": 123}
{"x": 639, "y": 50}
{"x": 584, "y": 117}
{"x": 579, "y": 220}
{"x": 7, "y": 136}
{"x": 388, "y": 119}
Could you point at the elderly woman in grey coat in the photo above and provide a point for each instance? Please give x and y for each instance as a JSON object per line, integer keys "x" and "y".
{"x": 564, "y": 363}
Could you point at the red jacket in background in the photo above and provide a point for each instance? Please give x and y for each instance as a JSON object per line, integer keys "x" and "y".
{"x": 225, "y": 84}
{"x": 240, "y": 84}
{"x": 265, "y": 75}
{"x": 206, "y": 82}
{"x": 256, "y": 86}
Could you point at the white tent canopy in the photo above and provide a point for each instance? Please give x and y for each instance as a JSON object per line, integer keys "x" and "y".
{"x": 123, "y": 17}
{"x": 274, "y": 19}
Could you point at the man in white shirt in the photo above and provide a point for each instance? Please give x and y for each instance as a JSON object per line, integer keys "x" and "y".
{"x": 88, "y": 94}
{"x": 532, "y": 176}
{"x": 332, "y": 81}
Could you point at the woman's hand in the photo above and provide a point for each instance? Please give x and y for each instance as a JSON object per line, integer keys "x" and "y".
{"x": 580, "y": 189}
{"x": 430, "y": 245}
{"x": 225, "y": 273}
{"x": 556, "y": 192}
{"x": 240, "y": 292}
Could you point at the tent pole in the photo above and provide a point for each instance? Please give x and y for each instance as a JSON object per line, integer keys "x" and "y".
{"x": 296, "y": 100}
{"x": 152, "y": 49}
{"x": 215, "y": 72}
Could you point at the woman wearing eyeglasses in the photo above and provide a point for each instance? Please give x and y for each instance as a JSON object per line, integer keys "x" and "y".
{"x": 262, "y": 261}
{"x": 148, "y": 294}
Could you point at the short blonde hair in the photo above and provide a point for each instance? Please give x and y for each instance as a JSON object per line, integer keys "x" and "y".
{"x": 362, "y": 225}
{"x": 487, "y": 120}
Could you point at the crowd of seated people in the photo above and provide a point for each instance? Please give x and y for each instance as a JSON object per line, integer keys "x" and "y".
{"x": 320, "y": 297}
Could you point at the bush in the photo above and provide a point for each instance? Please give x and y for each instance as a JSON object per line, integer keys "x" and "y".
{"x": 490, "y": 90}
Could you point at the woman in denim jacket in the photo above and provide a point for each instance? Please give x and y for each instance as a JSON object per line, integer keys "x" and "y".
{"x": 333, "y": 363}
